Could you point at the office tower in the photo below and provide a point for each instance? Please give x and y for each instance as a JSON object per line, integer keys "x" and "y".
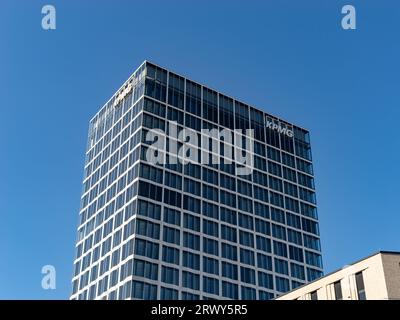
{"x": 191, "y": 194}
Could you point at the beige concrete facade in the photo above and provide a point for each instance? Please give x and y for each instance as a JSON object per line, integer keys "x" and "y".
{"x": 376, "y": 277}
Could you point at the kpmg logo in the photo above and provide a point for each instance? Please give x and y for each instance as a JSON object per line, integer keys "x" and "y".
{"x": 279, "y": 127}
{"x": 123, "y": 93}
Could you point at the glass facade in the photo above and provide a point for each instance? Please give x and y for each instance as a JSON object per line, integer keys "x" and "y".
{"x": 192, "y": 230}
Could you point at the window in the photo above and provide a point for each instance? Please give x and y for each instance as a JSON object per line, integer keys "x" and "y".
{"x": 191, "y": 260}
{"x": 168, "y": 294}
{"x": 228, "y": 216}
{"x": 247, "y": 257}
{"x": 305, "y": 180}
{"x": 210, "y": 210}
{"x": 282, "y": 284}
{"x": 281, "y": 266}
{"x": 146, "y": 249}
{"x": 193, "y": 170}
{"x": 247, "y": 275}
{"x": 308, "y": 210}
{"x": 293, "y": 220}
{"x": 276, "y": 199}
{"x": 229, "y": 252}
{"x": 311, "y": 242}
{"x": 149, "y": 190}
{"x": 191, "y": 241}
{"x": 171, "y": 235}
{"x": 244, "y": 188}
{"x": 275, "y": 183}
{"x": 151, "y": 173}
{"x": 210, "y": 246}
{"x": 274, "y": 168}
{"x": 297, "y": 271}
{"x": 314, "y": 295}
{"x": 313, "y": 259}
{"x": 211, "y": 285}
{"x": 227, "y": 182}
{"x": 210, "y": 228}
{"x": 175, "y": 91}
{"x": 190, "y": 280}
{"x": 210, "y": 193}
{"x": 227, "y": 198}
{"x": 248, "y": 293}
{"x": 264, "y": 261}
{"x": 294, "y": 237}
{"x": 226, "y": 112}
{"x": 296, "y": 284}
{"x": 245, "y": 205}
{"x": 261, "y": 210}
{"x": 192, "y": 187}
{"x": 170, "y": 275}
{"x": 156, "y": 78}
{"x": 228, "y": 233}
{"x": 193, "y": 98}
{"x": 280, "y": 249}
{"x": 278, "y": 232}
{"x": 274, "y": 154}
{"x": 154, "y": 107}
{"x": 191, "y": 222}
{"x": 210, "y": 176}
{"x": 148, "y": 229}
{"x": 230, "y": 290}
{"x": 360, "y": 286}
{"x": 172, "y": 198}
{"x": 265, "y": 280}
{"x": 149, "y": 209}
{"x": 304, "y": 166}
{"x": 263, "y": 295}
{"x": 172, "y": 216}
{"x": 263, "y": 226}
{"x": 289, "y": 174}
{"x": 170, "y": 255}
{"x": 172, "y": 180}
{"x": 338, "y": 290}
{"x": 142, "y": 290}
{"x": 246, "y": 239}
{"x": 210, "y": 265}
{"x": 190, "y": 296}
{"x": 313, "y": 274}
{"x": 229, "y": 270}
{"x": 145, "y": 269}
{"x": 191, "y": 204}
{"x": 245, "y": 221}
{"x": 175, "y": 115}
{"x": 310, "y": 226}
{"x": 291, "y": 204}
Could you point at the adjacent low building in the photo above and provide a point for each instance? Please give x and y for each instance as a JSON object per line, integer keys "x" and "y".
{"x": 376, "y": 277}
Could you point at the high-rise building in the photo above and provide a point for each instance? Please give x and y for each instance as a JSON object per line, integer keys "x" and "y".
{"x": 191, "y": 194}
{"x": 376, "y": 277}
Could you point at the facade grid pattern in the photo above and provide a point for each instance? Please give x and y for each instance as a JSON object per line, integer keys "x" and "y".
{"x": 192, "y": 231}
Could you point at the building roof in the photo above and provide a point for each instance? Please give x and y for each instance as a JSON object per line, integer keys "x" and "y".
{"x": 337, "y": 270}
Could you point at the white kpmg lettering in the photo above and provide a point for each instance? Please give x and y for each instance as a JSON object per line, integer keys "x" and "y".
{"x": 279, "y": 128}
{"x": 123, "y": 93}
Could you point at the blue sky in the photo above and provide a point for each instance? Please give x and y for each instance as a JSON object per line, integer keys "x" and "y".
{"x": 291, "y": 58}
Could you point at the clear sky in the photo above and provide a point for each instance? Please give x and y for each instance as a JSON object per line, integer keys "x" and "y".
{"x": 291, "y": 58}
